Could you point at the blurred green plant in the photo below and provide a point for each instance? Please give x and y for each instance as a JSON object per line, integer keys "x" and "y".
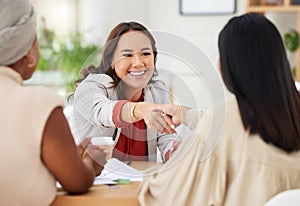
{"x": 68, "y": 55}
{"x": 73, "y": 56}
{"x": 48, "y": 53}
{"x": 291, "y": 41}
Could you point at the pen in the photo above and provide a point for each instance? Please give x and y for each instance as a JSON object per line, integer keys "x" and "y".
{"x": 123, "y": 181}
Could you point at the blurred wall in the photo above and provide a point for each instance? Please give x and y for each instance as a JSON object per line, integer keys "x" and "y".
{"x": 59, "y": 15}
{"x": 98, "y": 17}
{"x": 95, "y": 18}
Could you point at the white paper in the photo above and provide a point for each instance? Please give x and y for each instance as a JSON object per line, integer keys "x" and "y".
{"x": 103, "y": 181}
{"x": 117, "y": 170}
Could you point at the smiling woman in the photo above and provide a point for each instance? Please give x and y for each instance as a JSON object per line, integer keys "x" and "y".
{"x": 121, "y": 98}
{"x": 133, "y": 62}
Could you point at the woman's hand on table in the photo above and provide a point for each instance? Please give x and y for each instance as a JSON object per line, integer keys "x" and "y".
{"x": 94, "y": 156}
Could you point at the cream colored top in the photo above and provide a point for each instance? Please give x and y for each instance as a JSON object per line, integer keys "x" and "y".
{"x": 239, "y": 169}
{"x": 24, "y": 112}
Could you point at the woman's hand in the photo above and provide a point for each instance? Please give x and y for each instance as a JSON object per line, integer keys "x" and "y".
{"x": 154, "y": 117}
{"x": 176, "y": 112}
{"x": 83, "y": 145}
{"x": 92, "y": 155}
{"x": 160, "y": 121}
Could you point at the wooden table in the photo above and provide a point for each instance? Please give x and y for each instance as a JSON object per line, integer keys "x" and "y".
{"x": 104, "y": 194}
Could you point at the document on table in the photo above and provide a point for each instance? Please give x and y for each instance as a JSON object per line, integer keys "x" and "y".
{"x": 116, "y": 170}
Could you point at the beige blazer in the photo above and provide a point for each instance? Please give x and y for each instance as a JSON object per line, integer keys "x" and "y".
{"x": 221, "y": 164}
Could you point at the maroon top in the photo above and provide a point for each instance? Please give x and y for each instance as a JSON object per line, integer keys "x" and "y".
{"x": 132, "y": 143}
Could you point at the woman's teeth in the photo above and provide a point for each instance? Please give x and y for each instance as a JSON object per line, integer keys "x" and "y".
{"x": 137, "y": 73}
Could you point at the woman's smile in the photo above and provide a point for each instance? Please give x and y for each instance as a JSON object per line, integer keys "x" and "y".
{"x": 138, "y": 74}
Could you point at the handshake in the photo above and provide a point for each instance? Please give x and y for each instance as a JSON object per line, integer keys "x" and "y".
{"x": 166, "y": 117}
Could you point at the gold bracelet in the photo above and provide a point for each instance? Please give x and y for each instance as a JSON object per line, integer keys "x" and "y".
{"x": 132, "y": 111}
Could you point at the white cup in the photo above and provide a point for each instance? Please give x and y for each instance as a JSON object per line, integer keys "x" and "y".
{"x": 106, "y": 142}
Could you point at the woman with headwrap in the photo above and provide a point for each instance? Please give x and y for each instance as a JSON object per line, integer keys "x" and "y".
{"x": 37, "y": 147}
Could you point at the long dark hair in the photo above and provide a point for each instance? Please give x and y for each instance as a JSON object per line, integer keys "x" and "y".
{"x": 255, "y": 68}
{"x": 109, "y": 49}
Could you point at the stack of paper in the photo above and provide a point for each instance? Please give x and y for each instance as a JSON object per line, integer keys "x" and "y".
{"x": 115, "y": 170}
